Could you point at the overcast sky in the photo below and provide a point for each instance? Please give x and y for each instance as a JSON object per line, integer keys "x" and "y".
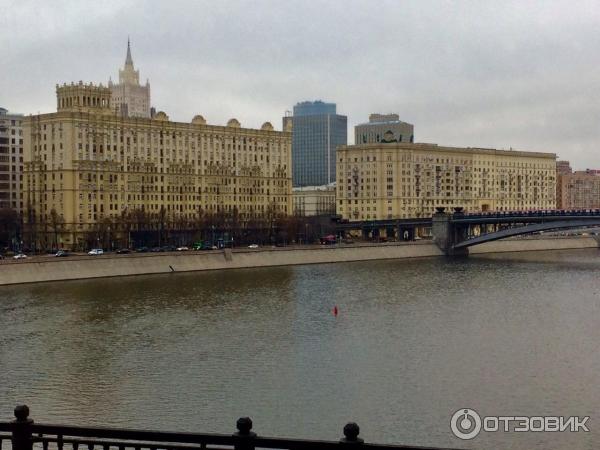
{"x": 497, "y": 74}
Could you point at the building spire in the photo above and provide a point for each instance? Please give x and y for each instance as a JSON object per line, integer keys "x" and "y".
{"x": 128, "y": 60}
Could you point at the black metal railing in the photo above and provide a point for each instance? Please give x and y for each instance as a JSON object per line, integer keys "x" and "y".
{"x": 24, "y": 434}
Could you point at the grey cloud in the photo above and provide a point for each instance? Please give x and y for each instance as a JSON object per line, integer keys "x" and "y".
{"x": 495, "y": 74}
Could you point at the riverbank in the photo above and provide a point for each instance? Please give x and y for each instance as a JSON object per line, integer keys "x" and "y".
{"x": 55, "y": 269}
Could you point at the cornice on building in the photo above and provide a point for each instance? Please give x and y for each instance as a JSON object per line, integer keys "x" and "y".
{"x": 436, "y": 147}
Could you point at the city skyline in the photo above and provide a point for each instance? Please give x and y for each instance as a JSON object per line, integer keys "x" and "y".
{"x": 519, "y": 76}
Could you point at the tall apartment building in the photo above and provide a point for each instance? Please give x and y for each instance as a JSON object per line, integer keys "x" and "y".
{"x": 390, "y": 181}
{"x": 317, "y": 131}
{"x": 85, "y": 164}
{"x": 128, "y": 97}
{"x": 562, "y": 168}
{"x": 383, "y": 128}
{"x": 578, "y": 190}
{"x": 11, "y": 160}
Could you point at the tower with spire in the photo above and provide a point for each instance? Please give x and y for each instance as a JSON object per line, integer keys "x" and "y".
{"x": 129, "y": 98}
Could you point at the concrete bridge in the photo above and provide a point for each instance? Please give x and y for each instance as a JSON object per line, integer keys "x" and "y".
{"x": 455, "y": 232}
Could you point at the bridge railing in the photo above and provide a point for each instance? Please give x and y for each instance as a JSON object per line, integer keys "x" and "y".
{"x": 531, "y": 213}
{"x": 24, "y": 434}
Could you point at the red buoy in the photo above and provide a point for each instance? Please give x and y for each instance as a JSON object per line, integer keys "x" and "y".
{"x": 335, "y": 310}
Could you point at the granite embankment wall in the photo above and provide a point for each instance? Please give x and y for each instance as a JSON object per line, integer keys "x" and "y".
{"x": 532, "y": 244}
{"x": 41, "y": 269}
{"x": 49, "y": 268}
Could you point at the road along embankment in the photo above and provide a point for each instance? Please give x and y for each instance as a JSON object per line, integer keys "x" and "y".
{"x": 51, "y": 269}
{"x": 80, "y": 267}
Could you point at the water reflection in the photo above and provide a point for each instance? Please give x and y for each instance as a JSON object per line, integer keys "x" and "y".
{"x": 414, "y": 341}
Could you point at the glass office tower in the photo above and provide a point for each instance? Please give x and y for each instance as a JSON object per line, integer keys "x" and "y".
{"x": 316, "y": 132}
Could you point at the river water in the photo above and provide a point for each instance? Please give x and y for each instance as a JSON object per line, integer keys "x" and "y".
{"x": 413, "y": 342}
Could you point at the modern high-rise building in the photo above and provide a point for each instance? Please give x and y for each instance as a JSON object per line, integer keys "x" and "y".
{"x": 383, "y": 128}
{"x": 128, "y": 97}
{"x": 403, "y": 180}
{"x": 11, "y": 160}
{"x": 87, "y": 168}
{"x": 317, "y": 130}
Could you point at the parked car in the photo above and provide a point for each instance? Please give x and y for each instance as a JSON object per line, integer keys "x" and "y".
{"x": 123, "y": 251}
{"x": 96, "y": 251}
{"x": 328, "y": 240}
{"x": 142, "y": 250}
{"x": 62, "y": 253}
{"x": 168, "y": 248}
{"x": 156, "y": 249}
{"x": 182, "y": 249}
{"x": 20, "y": 256}
{"x": 253, "y": 246}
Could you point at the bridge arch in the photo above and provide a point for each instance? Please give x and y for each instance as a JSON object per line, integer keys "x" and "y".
{"x": 527, "y": 229}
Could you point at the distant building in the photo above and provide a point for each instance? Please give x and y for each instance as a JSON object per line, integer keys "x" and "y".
{"x": 129, "y": 98}
{"x": 403, "y": 180}
{"x": 11, "y": 160}
{"x": 383, "y": 128}
{"x": 313, "y": 200}
{"x": 563, "y": 168}
{"x": 578, "y": 190}
{"x": 317, "y": 130}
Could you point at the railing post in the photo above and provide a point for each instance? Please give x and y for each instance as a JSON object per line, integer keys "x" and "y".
{"x": 21, "y": 429}
{"x": 351, "y": 432}
{"x": 244, "y": 433}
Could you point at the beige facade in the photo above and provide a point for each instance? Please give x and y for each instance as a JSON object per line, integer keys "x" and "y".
{"x": 128, "y": 97}
{"x": 578, "y": 190}
{"x": 390, "y": 181}
{"x": 313, "y": 200}
{"x": 87, "y": 163}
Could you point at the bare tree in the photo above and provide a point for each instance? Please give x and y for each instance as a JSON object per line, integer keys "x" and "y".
{"x": 57, "y": 224}
{"x": 9, "y": 226}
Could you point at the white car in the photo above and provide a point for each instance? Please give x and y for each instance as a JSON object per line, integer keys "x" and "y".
{"x": 253, "y": 246}
{"x": 182, "y": 249}
{"x": 96, "y": 251}
{"x": 20, "y": 256}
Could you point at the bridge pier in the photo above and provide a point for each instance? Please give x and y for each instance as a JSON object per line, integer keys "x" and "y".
{"x": 446, "y": 234}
